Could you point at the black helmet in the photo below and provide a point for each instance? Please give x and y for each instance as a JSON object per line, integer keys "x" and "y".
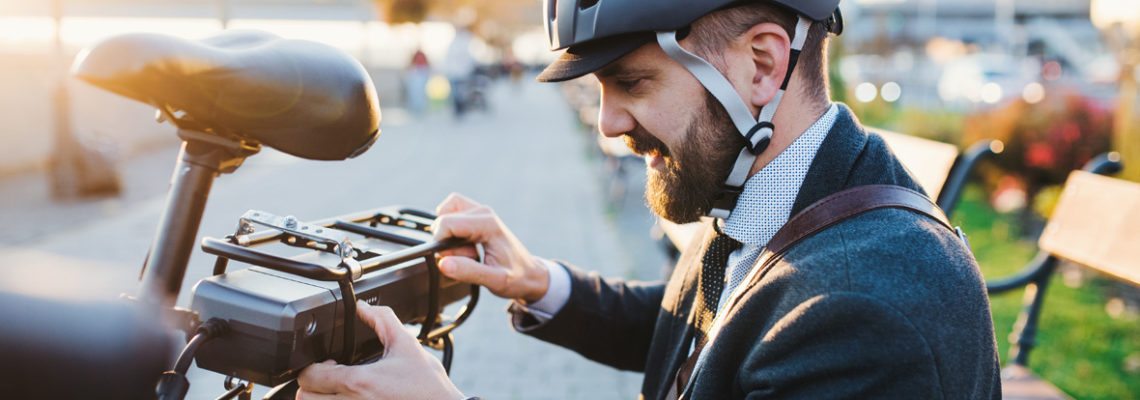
{"x": 597, "y": 32}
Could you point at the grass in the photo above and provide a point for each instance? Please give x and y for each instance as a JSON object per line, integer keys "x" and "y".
{"x": 1080, "y": 348}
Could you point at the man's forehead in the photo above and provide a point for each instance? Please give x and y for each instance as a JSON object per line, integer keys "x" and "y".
{"x": 647, "y": 58}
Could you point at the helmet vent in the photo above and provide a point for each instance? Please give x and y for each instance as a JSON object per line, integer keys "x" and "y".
{"x": 584, "y": 4}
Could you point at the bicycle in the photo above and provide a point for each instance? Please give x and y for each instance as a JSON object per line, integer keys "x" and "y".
{"x": 228, "y": 95}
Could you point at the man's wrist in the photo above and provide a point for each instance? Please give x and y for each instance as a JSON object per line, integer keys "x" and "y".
{"x": 542, "y": 282}
{"x": 556, "y": 296}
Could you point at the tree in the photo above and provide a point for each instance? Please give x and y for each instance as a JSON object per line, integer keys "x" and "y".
{"x": 497, "y": 21}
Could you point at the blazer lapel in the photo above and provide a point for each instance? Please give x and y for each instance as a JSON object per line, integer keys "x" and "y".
{"x": 677, "y": 310}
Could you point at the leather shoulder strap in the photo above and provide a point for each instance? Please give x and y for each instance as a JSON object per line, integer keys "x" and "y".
{"x": 840, "y": 206}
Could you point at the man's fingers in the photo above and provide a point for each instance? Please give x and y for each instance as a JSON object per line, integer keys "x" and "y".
{"x": 465, "y": 251}
{"x": 454, "y": 203}
{"x": 468, "y": 270}
{"x": 326, "y": 377}
{"x": 473, "y": 227}
{"x": 389, "y": 328}
{"x": 303, "y": 394}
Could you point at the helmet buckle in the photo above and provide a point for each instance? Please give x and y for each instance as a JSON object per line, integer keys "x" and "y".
{"x": 758, "y": 145}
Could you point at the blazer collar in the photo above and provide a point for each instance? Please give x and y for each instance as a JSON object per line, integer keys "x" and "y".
{"x": 834, "y": 161}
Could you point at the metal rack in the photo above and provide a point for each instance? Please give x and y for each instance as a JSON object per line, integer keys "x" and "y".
{"x": 331, "y": 236}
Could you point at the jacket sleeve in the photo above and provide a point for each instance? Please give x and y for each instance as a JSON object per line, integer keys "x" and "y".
{"x": 610, "y": 321}
{"x": 834, "y": 346}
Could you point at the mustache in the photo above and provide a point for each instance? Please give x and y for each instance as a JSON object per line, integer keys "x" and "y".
{"x": 641, "y": 142}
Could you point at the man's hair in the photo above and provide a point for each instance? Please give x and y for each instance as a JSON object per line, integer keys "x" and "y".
{"x": 714, "y": 31}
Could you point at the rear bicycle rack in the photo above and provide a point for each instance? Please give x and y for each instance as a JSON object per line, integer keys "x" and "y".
{"x": 284, "y": 310}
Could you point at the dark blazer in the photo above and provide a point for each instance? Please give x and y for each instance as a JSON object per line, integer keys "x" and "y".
{"x": 888, "y": 304}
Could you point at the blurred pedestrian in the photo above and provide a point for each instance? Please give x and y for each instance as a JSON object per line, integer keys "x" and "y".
{"x": 460, "y": 65}
{"x": 415, "y": 82}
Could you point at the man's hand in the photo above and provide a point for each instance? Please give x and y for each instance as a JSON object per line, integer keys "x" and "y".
{"x": 508, "y": 270}
{"x": 406, "y": 370}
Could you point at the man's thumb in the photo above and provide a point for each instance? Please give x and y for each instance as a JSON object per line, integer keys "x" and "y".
{"x": 389, "y": 328}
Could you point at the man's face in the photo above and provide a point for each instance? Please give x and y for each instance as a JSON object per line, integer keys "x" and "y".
{"x": 665, "y": 115}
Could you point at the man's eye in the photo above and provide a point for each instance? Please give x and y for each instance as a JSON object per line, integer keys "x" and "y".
{"x": 628, "y": 84}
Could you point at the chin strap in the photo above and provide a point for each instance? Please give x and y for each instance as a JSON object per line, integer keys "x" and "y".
{"x": 758, "y": 132}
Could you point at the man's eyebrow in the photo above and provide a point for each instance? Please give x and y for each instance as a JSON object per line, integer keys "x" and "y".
{"x": 616, "y": 69}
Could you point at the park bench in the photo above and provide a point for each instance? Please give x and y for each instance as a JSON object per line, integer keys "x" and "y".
{"x": 1095, "y": 224}
{"x": 938, "y": 167}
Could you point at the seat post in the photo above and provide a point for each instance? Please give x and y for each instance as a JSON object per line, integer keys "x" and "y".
{"x": 203, "y": 156}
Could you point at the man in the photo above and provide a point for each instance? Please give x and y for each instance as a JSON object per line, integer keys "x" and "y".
{"x": 728, "y": 103}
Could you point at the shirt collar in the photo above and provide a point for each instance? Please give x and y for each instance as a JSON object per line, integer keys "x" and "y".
{"x": 766, "y": 202}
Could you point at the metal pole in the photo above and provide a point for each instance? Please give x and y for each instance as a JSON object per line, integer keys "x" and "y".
{"x": 1125, "y": 135}
{"x": 929, "y": 16}
{"x": 1024, "y": 335}
{"x": 57, "y": 15}
{"x": 224, "y": 13}
{"x": 66, "y": 179}
{"x": 178, "y": 228}
{"x": 366, "y": 34}
{"x": 1004, "y": 13}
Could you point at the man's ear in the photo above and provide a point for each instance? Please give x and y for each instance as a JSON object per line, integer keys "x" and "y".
{"x": 769, "y": 48}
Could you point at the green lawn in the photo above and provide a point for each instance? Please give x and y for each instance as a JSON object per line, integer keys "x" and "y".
{"x": 1081, "y": 349}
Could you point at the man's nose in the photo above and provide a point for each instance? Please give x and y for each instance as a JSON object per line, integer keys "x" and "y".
{"x": 613, "y": 119}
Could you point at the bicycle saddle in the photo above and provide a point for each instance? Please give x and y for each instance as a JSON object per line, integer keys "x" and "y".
{"x": 303, "y": 98}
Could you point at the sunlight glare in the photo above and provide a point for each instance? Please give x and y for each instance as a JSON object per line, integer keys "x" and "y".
{"x": 991, "y": 93}
{"x": 865, "y": 92}
{"x": 26, "y": 30}
{"x": 1105, "y": 13}
{"x": 1033, "y": 93}
{"x": 345, "y": 35}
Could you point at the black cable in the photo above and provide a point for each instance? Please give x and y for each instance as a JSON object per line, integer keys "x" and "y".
{"x": 464, "y": 313}
{"x": 469, "y": 307}
{"x": 210, "y": 329}
{"x": 232, "y": 393}
{"x": 433, "y": 298}
{"x": 448, "y": 350}
{"x": 173, "y": 385}
{"x": 187, "y": 355}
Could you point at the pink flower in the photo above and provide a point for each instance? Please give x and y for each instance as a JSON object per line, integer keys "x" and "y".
{"x": 1039, "y": 155}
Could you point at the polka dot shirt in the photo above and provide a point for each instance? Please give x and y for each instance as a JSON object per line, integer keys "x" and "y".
{"x": 766, "y": 203}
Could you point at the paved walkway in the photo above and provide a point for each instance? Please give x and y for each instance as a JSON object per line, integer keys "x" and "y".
{"x": 526, "y": 158}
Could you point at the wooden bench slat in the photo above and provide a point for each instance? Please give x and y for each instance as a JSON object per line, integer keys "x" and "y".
{"x": 1019, "y": 383}
{"x": 1097, "y": 223}
{"x": 927, "y": 160}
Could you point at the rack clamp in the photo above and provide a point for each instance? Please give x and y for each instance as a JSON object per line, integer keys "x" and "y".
{"x": 334, "y": 240}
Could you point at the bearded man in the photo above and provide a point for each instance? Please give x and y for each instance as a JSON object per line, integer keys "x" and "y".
{"x": 728, "y": 102}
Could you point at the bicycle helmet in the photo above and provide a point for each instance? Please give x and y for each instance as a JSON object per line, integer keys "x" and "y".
{"x": 598, "y": 32}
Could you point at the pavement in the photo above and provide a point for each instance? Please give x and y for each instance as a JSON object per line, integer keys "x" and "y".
{"x": 526, "y": 157}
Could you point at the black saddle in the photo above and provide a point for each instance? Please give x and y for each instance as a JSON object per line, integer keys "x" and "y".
{"x": 303, "y": 98}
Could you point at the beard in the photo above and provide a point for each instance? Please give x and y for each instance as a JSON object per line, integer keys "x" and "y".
{"x": 694, "y": 171}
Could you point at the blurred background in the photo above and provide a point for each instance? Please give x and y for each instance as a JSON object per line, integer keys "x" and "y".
{"x": 83, "y": 172}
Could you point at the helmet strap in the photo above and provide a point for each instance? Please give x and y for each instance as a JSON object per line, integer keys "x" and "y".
{"x": 758, "y": 131}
